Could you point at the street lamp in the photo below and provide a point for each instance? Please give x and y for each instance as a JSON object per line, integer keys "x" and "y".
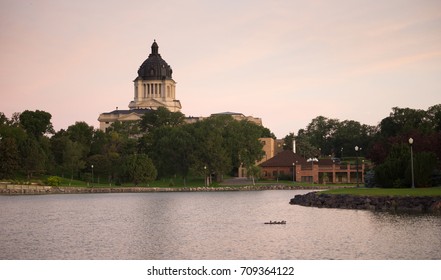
{"x": 411, "y": 161}
{"x": 293, "y": 171}
{"x": 92, "y": 174}
{"x": 205, "y": 175}
{"x": 356, "y": 153}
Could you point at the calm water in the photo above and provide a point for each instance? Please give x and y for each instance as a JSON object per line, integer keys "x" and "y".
{"x": 221, "y": 225}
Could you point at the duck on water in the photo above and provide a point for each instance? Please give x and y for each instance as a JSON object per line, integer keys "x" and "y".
{"x": 275, "y": 223}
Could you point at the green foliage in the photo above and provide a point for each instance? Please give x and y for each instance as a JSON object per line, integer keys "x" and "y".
{"x": 325, "y": 136}
{"x": 162, "y": 117}
{"x": 386, "y": 192}
{"x": 36, "y": 123}
{"x": 219, "y": 143}
{"x": 73, "y": 160}
{"x": 254, "y": 172}
{"x": 53, "y": 181}
{"x": 171, "y": 149}
{"x": 33, "y": 157}
{"x": 81, "y": 133}
{"x": 424, "y": 166}
{"x": 395, "y": 172}
{"x": 404, "y": 120}
{"x": 9, "y": 157}
{"x": 127, "y": 129}
{"x": 138, "y": 169}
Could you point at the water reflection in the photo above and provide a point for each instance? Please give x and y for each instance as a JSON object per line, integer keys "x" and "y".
{"x": 227, "y": 225}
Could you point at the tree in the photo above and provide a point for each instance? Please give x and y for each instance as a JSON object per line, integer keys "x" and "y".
{"x": 303, "y": 144}
{"x": 349, "y": 134}
{"x": 36, "y": 123}
{"x": 434, "y": 115}
{"x": 172, "y": 149}
{"x": 160, "y": 118}
{"x": 425, "y": 164}
{"x": 73, "y": 157}
{"x": 320, "y": 132}
{"x": 245, "y": 142}
{"x": 404, "y": 120}
{"x": 33, "y": 159}
{"x": 128, "y": 129}
{"x": 254, "y": 171}
{"x": 102, "y": 166}
{"x": 211, "y": 149}
{"x": 81, "y": 133}
{"x": 10, "y": 137}
{"x": 138, "y": 169}
{"x": 396, "y": 169}
{"x": 9, "y": 157}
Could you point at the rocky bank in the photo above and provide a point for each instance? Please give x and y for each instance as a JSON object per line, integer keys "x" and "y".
{"x": 420, "y": 204}
{"x": 11, "y": 189}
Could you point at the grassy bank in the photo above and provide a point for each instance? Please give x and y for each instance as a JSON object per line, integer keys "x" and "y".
{"x": 388, "y": 192}
{"x": 171, "y": 183}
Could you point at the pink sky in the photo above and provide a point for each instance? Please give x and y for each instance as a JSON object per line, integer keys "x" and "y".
{"x": 283, "y": 61}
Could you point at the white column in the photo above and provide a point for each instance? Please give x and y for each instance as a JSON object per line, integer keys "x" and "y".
{"x": 136, "y": 92}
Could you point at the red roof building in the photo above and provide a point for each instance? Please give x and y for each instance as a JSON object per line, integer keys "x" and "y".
{"x": 291, "y": 166}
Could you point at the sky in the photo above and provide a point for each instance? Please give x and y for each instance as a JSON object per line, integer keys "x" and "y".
{"x": 284, "y": 61}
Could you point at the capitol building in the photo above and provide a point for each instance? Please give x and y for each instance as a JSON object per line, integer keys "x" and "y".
{"x": 154, "y": 87}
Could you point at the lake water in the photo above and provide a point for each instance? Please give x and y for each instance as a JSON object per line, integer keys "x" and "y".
{"x": 206, "y": 225}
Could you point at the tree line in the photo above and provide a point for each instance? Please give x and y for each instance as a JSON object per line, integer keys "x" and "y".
{"x": 161, "y": 144}
{"x": 386, "y": 144}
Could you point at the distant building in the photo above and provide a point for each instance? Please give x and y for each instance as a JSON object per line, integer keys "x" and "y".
{"x": 240, "y": 117}
{"x": 288, "y": 165}
{"x": 281, "y": 165}
{"x": 154, "y": 87}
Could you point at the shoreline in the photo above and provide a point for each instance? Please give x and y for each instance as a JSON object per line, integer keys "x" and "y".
{"x": 401, "y": 204}
{"x": 9, "y": 189}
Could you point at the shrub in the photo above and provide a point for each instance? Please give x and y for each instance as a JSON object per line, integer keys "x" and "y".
{"x": 53, "y": 181}
{"x": 396, "y": 170}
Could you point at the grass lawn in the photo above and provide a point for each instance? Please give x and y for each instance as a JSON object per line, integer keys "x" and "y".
{"x": 436, "y": 191}
{"x": 160, "y": 183}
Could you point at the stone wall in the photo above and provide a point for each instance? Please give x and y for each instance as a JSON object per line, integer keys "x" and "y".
{"x": 9, "y": 189}
{"x": 421, "y": 204}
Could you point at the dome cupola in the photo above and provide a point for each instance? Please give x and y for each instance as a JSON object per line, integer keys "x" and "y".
{"x": 154, "y": 67}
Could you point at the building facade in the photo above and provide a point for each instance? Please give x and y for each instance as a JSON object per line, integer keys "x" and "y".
{"x": 288, "y": 165}
{"x": 154, "y": 87}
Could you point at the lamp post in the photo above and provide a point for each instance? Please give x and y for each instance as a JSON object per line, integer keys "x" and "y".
{"x": 293, "y": 171}
{"x": 92, "y": 174}
{"x": 411, "y": 162}
{"x": 356, "y": 154}
{"x": 205, "y": 175}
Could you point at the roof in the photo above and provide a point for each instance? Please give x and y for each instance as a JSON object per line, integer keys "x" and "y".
{"x": 284, "y": 159}
{"x": 228, "y": 113}
{"x": 127, "y": 112}
{"x": 154, "y": 67}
